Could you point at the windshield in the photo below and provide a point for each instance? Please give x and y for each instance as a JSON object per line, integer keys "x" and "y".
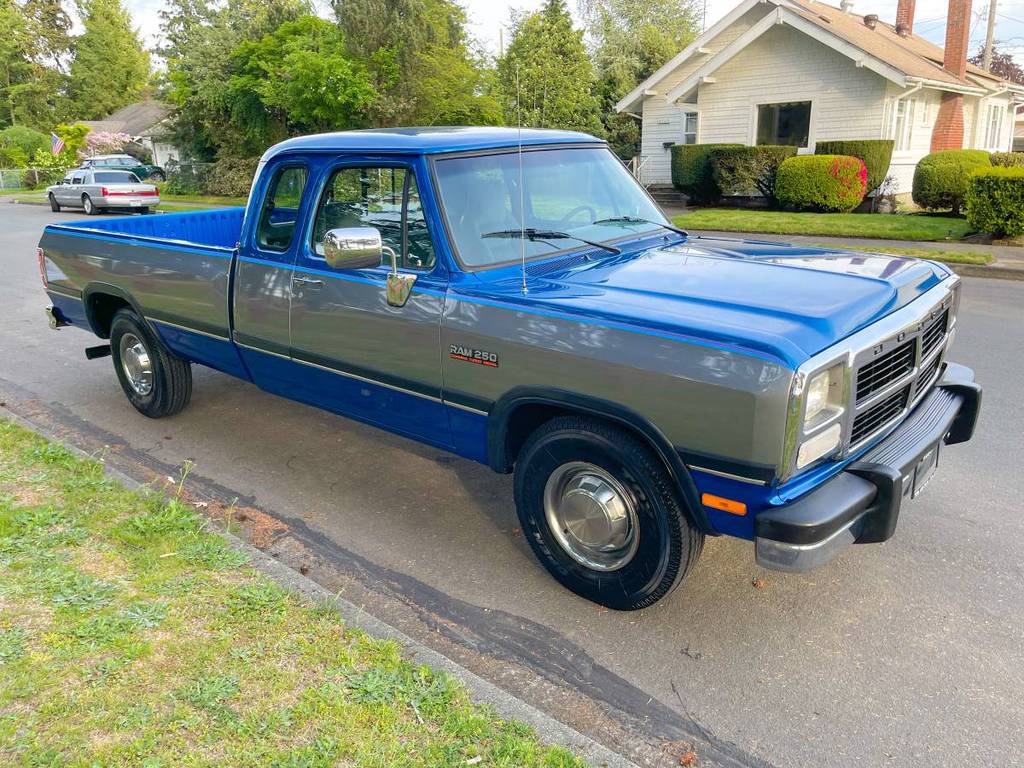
{"x": 564, "y": 190}
{"x": 115, "y": 177}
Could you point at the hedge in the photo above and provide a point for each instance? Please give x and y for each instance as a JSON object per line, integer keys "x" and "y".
{"x": 940, "y": 179}
{"x": 738, "y": 170}
{"x": 692, "y": 173}
{"x": 876, "y": 154}
{"x": 995, "y": 201}
{"x": 1008, "y": 159}
{"x": 834, "y": 183}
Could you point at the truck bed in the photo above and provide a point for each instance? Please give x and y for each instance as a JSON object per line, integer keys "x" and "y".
{"x": 173, "y": 269}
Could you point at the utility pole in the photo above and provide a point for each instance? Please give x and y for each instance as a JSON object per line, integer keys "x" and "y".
{"x": 986, "y": 58}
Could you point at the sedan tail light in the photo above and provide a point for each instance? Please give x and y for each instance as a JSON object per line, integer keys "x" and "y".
{"x": 103, "y": 192}
{"x": 41, "y": 257}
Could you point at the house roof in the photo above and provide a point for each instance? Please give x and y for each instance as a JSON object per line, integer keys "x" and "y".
{"x": 895, "y": 57}
{"x": 136, "y": 119}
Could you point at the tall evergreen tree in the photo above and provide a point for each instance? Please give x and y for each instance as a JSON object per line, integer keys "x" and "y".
{"x": 33, "y": 46}
{"x": 545, "y": 77}
{"x": 110, "y": 68}
{"x": 630, "y": 39}
{"x": 425, "y": 68}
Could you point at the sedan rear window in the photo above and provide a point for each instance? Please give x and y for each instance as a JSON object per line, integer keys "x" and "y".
{"x": 115, "y": 177}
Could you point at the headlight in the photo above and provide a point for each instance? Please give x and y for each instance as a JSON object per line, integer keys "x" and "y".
{"x": 824, "y": 397}
{"x": 820, "y": 445}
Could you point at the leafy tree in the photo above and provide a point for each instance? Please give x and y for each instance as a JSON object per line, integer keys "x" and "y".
{"x": 110, "y": 68}
{"x": 631, "y": 39}
{"x": 545, "y": 77}
{"x": 297, "y": 79}
{"x": 201, "y": 37}
{"x": 18, "y": 143}
{"x": 50, "y": 27}
{"x": 30, "y": 87}
{"x": 424, "y": 68}
{"x": 1003, "y": 64}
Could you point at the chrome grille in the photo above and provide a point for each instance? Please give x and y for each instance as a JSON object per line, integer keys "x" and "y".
{"x": 933, "y": 334}
{"x": 879, "y": 373}
{"x": 879, "y": 415}
{"x": 894, "y": 374}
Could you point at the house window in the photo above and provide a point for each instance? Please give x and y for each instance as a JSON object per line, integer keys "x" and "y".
{"x": 904, "y": 134}
{"x": 788, "y": 123}
{"x": 994, "y": 130}
{"x": 689, "y": 128}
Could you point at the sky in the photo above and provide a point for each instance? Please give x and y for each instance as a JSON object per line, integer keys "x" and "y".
{"x": 487, "y": 17}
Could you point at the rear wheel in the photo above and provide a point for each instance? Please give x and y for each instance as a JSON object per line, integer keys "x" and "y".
{"x": 157, "y": 176}
{"x": 89, "y": 206}
{"x": 54, "y": 205}
{"x": 157, "y": 382}
{"x": 602, "y": 513}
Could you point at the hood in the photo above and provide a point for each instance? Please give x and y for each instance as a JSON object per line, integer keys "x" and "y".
{"x": 785, "y": 302}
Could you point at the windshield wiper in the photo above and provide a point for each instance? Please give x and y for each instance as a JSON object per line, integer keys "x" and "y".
{"x": 532, "y": 234}
{"x": 638, "y": 220}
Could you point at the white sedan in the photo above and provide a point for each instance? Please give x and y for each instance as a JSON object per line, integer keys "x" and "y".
{"x": 95, "y": 190}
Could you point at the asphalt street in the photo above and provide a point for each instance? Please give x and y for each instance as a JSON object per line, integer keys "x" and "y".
{"x": 907, "y": 653}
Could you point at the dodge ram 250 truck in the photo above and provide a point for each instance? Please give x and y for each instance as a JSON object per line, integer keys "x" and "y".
{"x": 517, "y": 298}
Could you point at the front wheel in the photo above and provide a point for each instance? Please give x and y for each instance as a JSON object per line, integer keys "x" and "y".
{"x": 54, "y": 205}
{"x": 602, "y": 514}
{"x": 157, "y": 382}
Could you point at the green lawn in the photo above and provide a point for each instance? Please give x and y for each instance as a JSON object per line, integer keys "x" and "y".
{"x": 880, "y": 225}
{"x": 211, "y": 200}
{"x": 133, "y": 635}
{"x": 936, "y": 254}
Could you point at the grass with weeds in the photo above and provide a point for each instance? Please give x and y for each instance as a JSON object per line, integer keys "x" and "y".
{"x": 131, "y": 635}
{"x": 880, "y": 225}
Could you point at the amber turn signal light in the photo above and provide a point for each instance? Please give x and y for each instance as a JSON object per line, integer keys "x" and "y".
{"x": 726, "y": 505}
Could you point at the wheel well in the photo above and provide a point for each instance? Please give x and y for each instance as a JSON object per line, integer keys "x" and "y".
{"x": 523, "y": 422}
{"x": 100, "y": 308}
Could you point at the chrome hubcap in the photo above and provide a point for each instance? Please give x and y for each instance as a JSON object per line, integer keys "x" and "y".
{"x": 592, "y": 517}
{"x": 135, "y": 363}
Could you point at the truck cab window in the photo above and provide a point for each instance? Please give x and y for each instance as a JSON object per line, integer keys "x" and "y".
{"x": 376, "y": 197}
{"x": 280, "y": 211}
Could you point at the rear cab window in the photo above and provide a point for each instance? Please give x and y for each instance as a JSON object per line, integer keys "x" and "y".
{"x": 279, "y": 213}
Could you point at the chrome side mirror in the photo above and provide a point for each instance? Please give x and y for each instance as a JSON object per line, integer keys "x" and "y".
{"x": 362, "y": 248}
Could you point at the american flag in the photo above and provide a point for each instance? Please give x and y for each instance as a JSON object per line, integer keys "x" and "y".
{"x": 56, "y": 143}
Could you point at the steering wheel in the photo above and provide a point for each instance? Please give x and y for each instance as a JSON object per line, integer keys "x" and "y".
{"x": 578, "y": 209}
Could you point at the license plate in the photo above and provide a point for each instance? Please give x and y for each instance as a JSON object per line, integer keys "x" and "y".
{"x": 925, "y": 470}
{"x": 135, "y": 202}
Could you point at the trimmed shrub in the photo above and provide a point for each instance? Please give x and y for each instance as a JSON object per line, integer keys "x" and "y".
{"x": 18, "y": 144}
{"x": 876, "y": 154}
{"x": 940, "y": 179}
{"x": 1008, "y": 159}
{"x": 835, "y": 183}
{"x": 692, "y": 173}
{"x": 738, "y": 170}
{"x": 231, "y": 176}
{"x": 995, "y": 201}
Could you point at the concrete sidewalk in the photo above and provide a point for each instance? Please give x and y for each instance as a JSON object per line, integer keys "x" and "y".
{"x": 1007, "y": 260}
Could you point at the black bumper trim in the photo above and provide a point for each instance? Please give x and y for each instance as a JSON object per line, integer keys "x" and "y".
{"x": 867, "y": 496}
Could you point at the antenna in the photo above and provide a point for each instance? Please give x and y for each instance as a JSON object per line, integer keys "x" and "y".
{"x": 522, "y": 194}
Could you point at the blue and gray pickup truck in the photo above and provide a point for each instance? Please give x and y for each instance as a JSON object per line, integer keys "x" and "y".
{"x": 516, "y": 298}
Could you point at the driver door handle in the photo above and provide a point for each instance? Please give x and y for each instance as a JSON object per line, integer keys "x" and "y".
{"x": 308, "y": 282}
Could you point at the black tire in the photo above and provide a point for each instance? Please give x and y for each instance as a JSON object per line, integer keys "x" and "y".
{"x": 89, "y": 206}
{"x": 54, "y": 205}
{"x": 157, "y": 176}
{"x": 668, "y": 545}
{"x": 144, "y": 211}
{"x": 171, "y": 380}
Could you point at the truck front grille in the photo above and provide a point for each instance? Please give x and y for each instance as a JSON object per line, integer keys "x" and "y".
{"x": 891, "y": 376}
{"x": 878, "y": 374}
{"x": 879, "y": 415}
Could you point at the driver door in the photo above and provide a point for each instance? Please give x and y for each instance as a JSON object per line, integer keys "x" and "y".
{"x": 364, "y": 357}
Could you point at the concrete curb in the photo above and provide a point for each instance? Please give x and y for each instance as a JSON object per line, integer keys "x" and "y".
{"x": 507, "y": 706}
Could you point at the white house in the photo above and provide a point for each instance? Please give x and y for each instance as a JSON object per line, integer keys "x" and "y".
{"x": 798, "y": 72}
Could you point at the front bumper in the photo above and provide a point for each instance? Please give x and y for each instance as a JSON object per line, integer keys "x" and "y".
{"x": 861, "y": 505}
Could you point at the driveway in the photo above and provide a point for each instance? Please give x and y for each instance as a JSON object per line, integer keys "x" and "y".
{"x": 908, "y": 653}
